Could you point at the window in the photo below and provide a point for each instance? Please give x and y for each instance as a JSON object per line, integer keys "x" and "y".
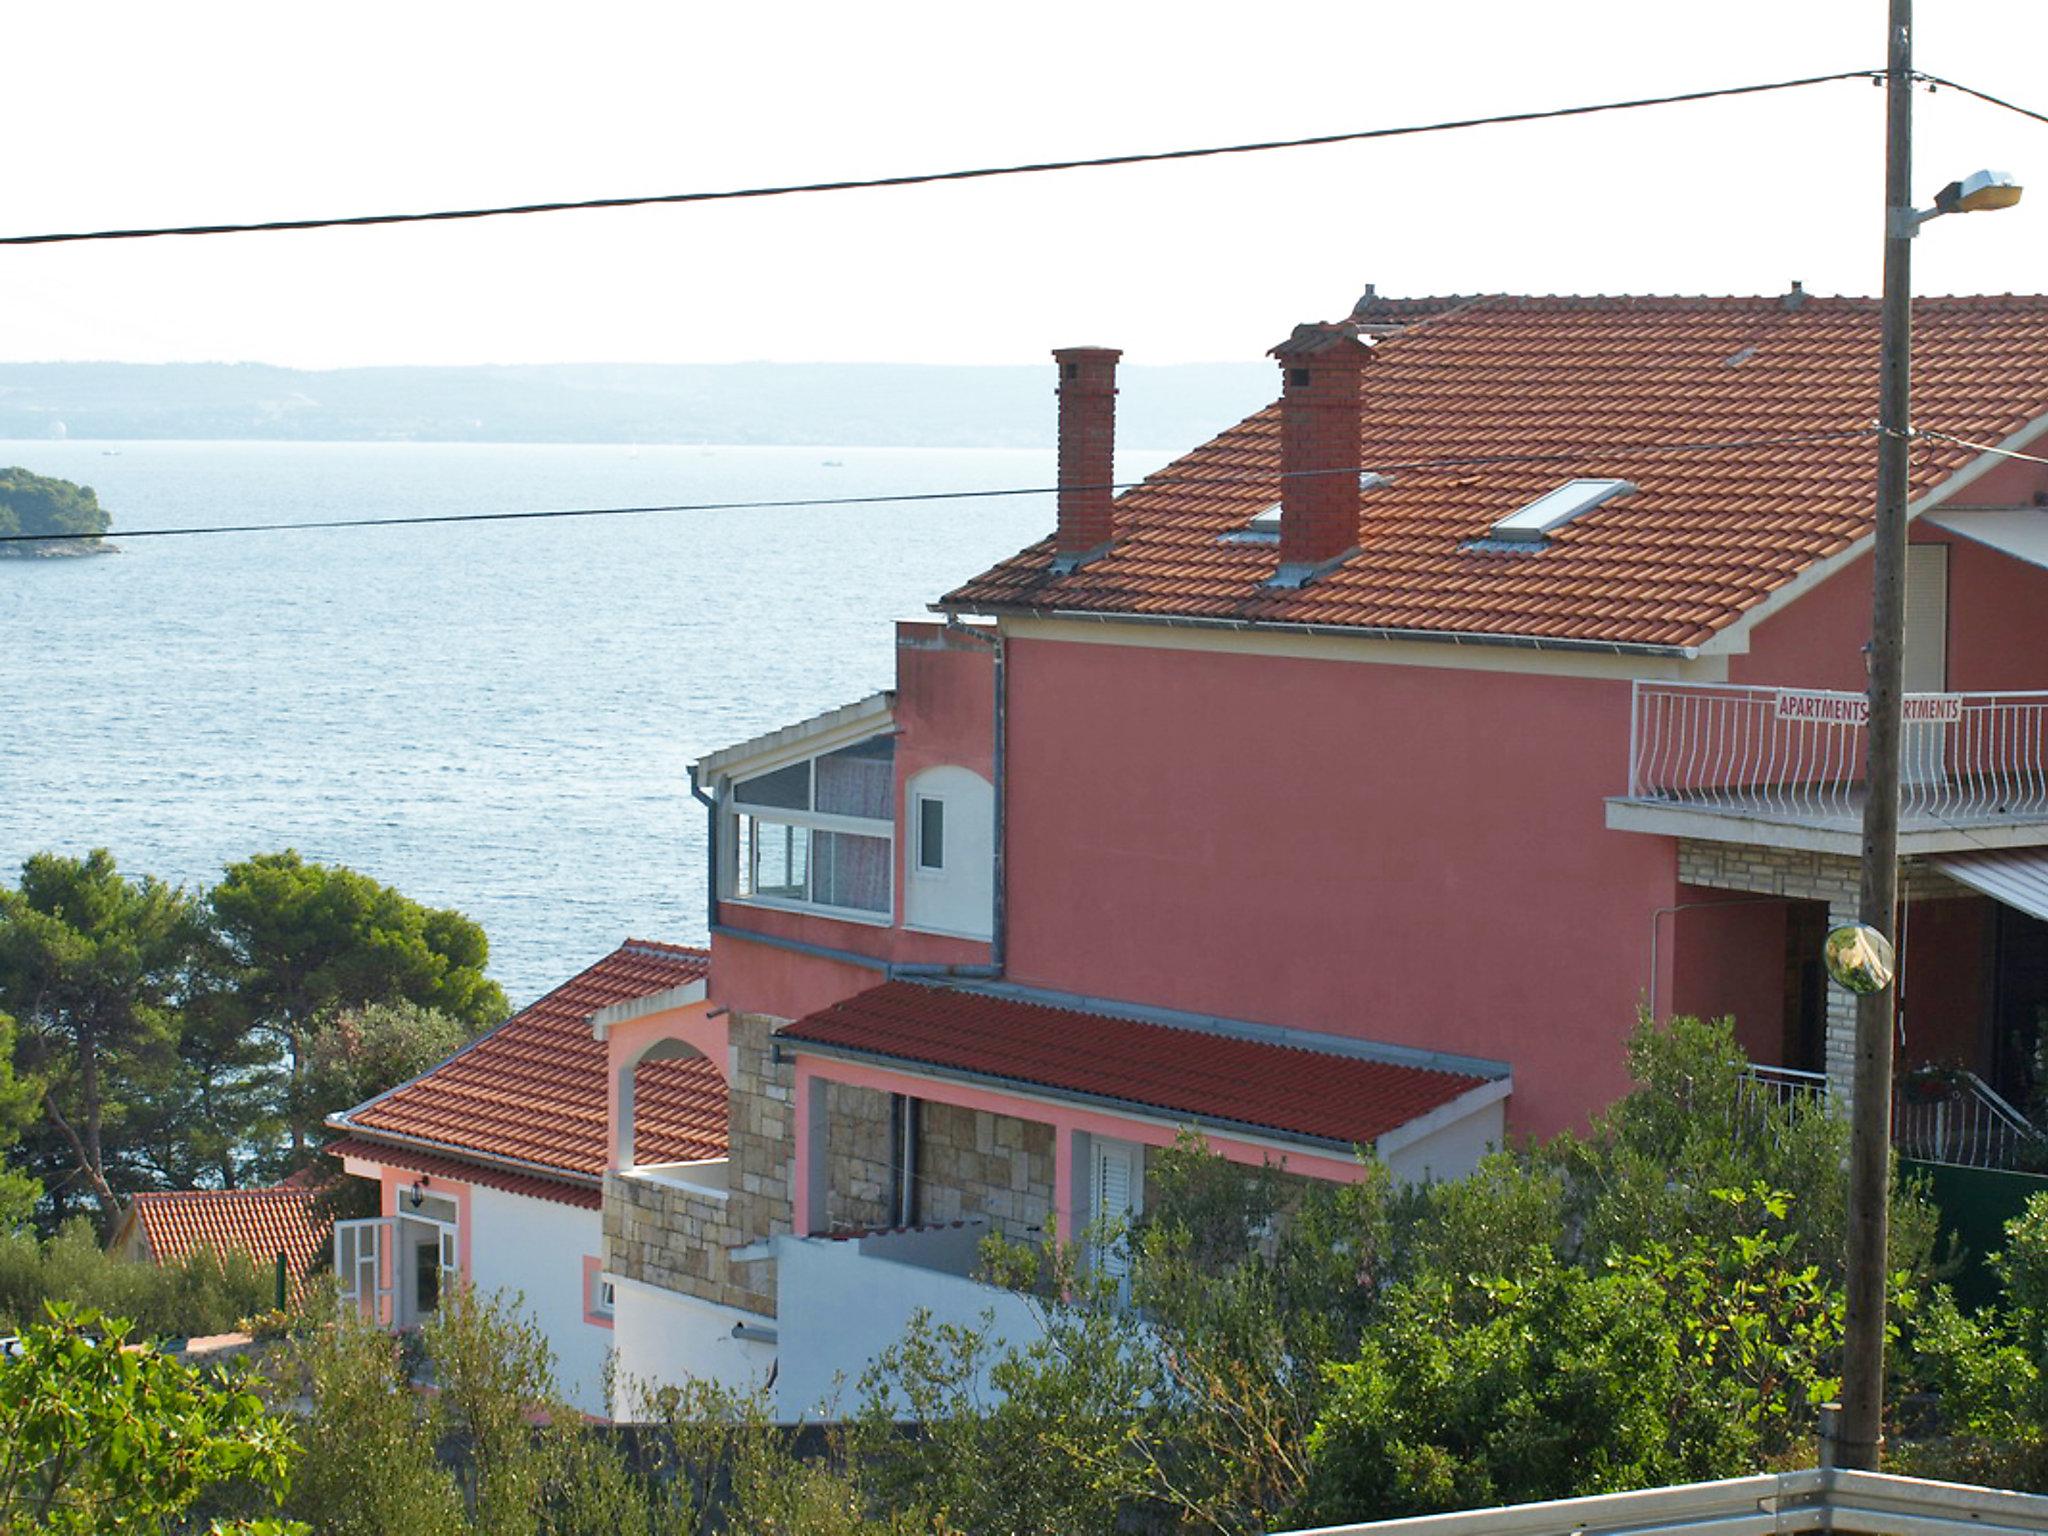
{"x": 931, "y": 832}
{"x": 1534, "y": 522}
{"x": 606, "y": 1302}
{"x": 818, "y": 833}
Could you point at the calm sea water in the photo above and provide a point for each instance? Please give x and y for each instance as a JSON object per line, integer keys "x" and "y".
{"x": 492, "y": 717}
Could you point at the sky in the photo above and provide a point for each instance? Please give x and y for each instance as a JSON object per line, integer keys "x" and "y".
{"x": 125, "y": 114}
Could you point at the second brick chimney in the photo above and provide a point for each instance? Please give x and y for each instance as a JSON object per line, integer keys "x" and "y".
{"x": 1087, "y": 393}
{"x": 1320, "y": 370}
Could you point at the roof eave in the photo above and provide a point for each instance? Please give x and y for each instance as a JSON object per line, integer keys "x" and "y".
{"x": 400, "y": 1141}
{"x": 1344, "y": 631}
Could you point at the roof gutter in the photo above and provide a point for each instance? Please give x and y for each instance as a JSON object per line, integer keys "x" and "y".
{"x": 1339, "y": 631}
{"x": 400, "y": 1141}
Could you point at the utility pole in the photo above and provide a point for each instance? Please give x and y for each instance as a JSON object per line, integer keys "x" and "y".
{"x": 1861, "y": 1432}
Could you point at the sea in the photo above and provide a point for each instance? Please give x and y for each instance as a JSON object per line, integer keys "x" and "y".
{"x": 490, "y": 716}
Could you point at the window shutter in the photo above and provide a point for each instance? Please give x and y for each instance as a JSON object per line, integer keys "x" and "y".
{"x": 1115, "y": 1202}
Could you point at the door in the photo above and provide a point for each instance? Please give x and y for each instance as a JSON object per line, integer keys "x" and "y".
{"x": 1117, "y": 1195}
{"x": 1924, "y": 745}
{"x": 2019, "y": 1008}
{"x": 363, "y": 1260}
{"x": 425, "y": 1267}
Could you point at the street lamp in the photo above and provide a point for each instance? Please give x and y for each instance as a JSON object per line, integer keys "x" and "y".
{"x": 1860, "y": 1428}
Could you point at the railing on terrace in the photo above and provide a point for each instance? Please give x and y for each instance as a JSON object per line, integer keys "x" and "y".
{"x": 1951, "y": 1116}
{"x": 1939, "y": 1115}
{"x": 1793, "y": 754}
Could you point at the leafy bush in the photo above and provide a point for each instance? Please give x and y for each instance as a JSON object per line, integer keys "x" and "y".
{"x": 202, "y": 1295}
{"x": 104, "y": 1439}
{"x": 1990, "y": 1369}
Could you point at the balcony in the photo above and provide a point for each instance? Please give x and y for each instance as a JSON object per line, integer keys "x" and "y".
{"x": 1783, "y": 767}
{"x": 843, "y": 1300}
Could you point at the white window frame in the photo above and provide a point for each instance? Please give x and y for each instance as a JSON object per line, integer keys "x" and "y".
{"x": 736, "y": 849}
{"x": 918, "y": 802}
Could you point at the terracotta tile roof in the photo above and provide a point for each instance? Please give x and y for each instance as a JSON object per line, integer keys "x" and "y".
{"x": 1707, "y": 535}
{"x": 588, "y": 1195}
{"x": 533, "y": 1089}
{"x": 259, "y": 1222}
{"x": 1211, "y": 1077}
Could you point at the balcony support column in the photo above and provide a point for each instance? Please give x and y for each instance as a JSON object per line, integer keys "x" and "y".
{"x": 1841, "y": 1020}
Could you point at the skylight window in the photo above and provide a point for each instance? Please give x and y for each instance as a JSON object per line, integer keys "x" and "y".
{"x": 1554, "y": 509}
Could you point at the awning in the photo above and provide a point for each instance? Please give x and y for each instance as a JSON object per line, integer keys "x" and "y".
{"x": 2018, "y": 877}
{"x": 2021, "y": 533}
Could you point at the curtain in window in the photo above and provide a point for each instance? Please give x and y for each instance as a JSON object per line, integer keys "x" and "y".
{"x": 850, "y": 871}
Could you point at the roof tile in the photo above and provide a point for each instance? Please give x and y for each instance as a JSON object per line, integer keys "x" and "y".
{"x": 1599, "y": 382}
{"x": 533, "y": 1089}
{"x": 1177, "y": 1071}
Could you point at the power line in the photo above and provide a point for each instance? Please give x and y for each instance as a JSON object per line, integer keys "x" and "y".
{"x": 927, "y": 178}
{"x": 1996, "y": 101}
{"x": 1151, "y": 482}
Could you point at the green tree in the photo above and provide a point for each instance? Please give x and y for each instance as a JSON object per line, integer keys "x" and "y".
{"x": 31, "y": 503}
{"x": 307, "y": 939}
{"x": 106, "y": 1440}
{"x": 94, "y": 967}
{"x": 356, "y": 1052}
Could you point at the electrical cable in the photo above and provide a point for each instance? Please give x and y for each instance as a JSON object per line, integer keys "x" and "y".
{"x": 1996, "y": 101}
{"x": 1151, "y": 482}
{"x": 927, "y": 178}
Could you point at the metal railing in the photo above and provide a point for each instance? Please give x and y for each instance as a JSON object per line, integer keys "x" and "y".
{"x": 1939, "y": 1115}
{"x": 1790, "y": 754}
{"x": 1954, "y": 1116}
{"x": 1830, "y": 1499}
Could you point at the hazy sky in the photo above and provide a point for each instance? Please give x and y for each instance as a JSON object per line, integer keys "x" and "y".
{"x": 132, "y": 114}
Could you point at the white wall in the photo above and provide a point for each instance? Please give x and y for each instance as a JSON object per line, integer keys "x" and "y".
{"x": 958, "y": 898}
{"x": 537, "y": 1248}
{"x": 1451, "y": 1151}
{"x": 664, "y": 1338}
{"x": 841, "y": 1305}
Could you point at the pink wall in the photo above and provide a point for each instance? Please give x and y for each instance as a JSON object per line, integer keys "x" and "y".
{"x": 1729, "y": 962}
{"x": 1395, "y": 853}
{"x": 1943, "y": 979}
{"x": 1815, "y": 643}
{"x": 1997, "y": 620}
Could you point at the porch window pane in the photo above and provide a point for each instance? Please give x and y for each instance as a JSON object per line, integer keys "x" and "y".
{"x": 779, "y": 857}
{"x": 852, "y": 871}
{"x": 786, "y": 789}
{"x": 858, "y": 780}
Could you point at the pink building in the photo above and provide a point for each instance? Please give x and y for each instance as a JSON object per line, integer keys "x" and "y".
{"x": 1358, "y": 777}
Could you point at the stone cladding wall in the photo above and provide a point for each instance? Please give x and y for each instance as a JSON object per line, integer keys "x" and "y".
{"x": 683, "y": 1240}
{"x": 1834, "y": 878}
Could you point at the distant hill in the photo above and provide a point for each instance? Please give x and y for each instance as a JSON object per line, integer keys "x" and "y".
{"x": 850, "y": 404}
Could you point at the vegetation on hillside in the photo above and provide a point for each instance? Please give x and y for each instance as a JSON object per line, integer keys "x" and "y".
{"x": 1653, "y": 1302}
{"x": 40, "y": 504}
{"x": 162, "y": 1038}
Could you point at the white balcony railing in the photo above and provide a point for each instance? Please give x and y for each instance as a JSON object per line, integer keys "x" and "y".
{"x": 1797, "y": 755}
{"x": 1956, "y": 1117}
{"x": 1939, "y": 1115}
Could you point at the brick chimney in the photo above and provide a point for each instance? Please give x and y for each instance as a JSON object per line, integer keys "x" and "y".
{"x": 1087, "y": 393}
{"x": 1320, "y": 371}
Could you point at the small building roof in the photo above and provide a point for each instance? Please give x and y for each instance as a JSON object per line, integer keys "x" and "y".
{"x": 262, "y": 1223}
{"x": 1457, "y": 395}
{"x": 1175, "y": 1072}
{"x": 531, "y": 1093}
